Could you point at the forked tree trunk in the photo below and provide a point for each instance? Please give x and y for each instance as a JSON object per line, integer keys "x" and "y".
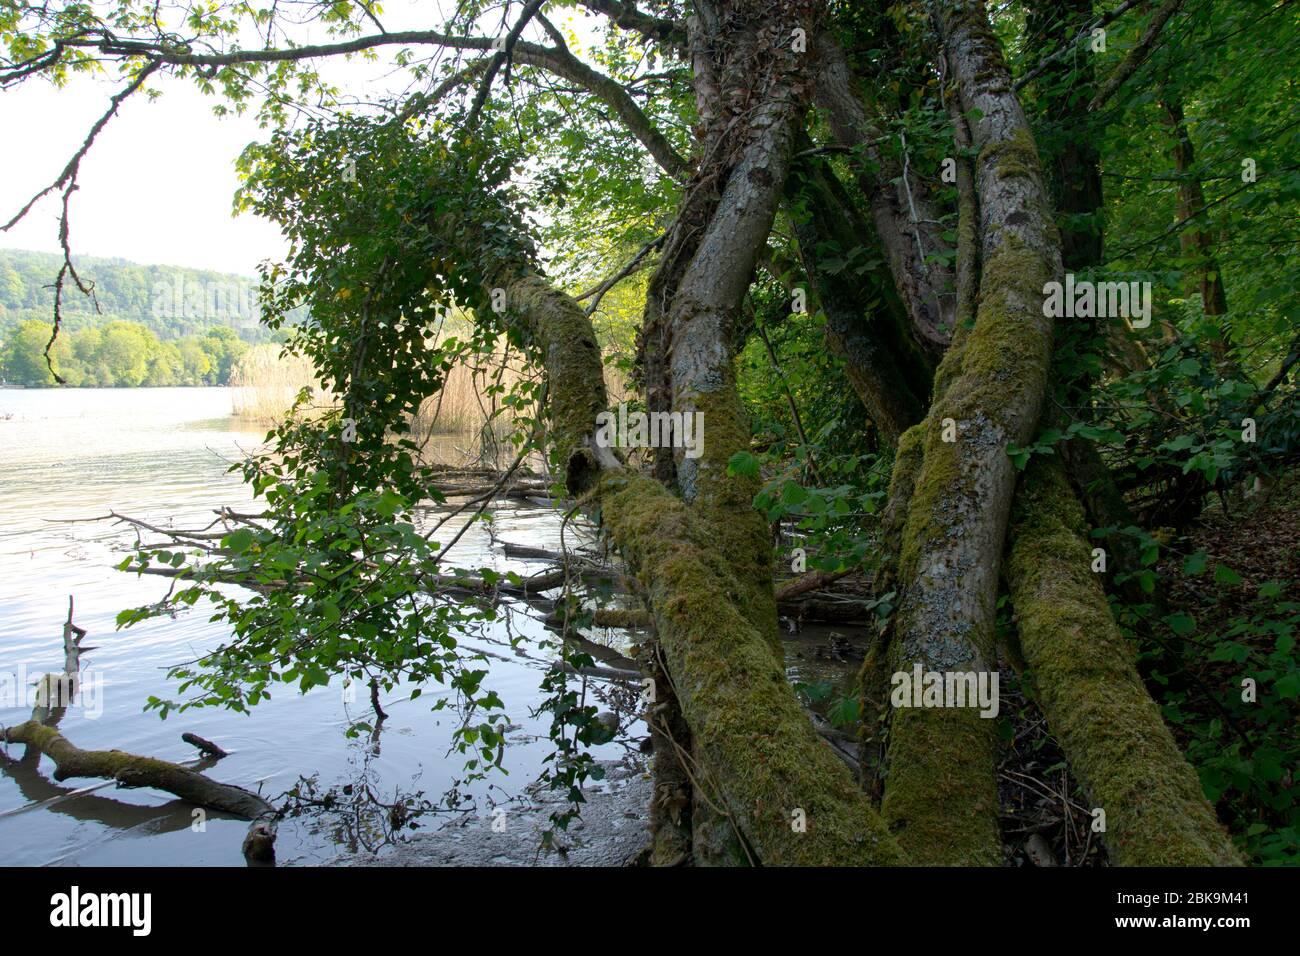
{"x": 753, "y": 751}
{"x": 940, "y": 795}
{"x": 760, "y": 774}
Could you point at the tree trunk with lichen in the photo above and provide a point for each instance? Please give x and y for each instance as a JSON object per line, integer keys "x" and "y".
{"x": 940, "y": 795}
{"x": 752, "y": 88}
{"x": 907, "y": 227}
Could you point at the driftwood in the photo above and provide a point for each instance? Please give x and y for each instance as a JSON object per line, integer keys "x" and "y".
{"x": 129, "y": 770}
{"x": 801, "y": 598}
{"x": 512, "y": 550}
{"x": 824, "y": 606}
{"x": 812, "y": 581}
{"x": 206, "y": 747}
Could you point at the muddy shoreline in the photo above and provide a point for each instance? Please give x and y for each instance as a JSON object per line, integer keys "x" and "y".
{"x": 613, "y": 829}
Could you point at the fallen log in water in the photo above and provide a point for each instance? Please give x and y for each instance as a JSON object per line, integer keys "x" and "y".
{"x": 131, "y": 770}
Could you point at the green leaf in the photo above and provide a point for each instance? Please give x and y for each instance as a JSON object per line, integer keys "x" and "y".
{"x": 744, "y": 464}
{"x": 239, "y": 540}
{"x": 1225, "y": 575}
{"x": 1288, "y": 687}
{"x": 389, "y": 503}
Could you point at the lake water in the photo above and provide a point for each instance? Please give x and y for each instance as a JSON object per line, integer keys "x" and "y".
{"x": 162, "y": 455}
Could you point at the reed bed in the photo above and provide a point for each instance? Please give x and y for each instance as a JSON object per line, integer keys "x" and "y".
{"x": 463, "y": 422}
{"x": 266, "y": 381}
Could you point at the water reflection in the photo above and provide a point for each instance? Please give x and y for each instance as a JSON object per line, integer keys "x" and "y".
{"x": 162, "y": 455}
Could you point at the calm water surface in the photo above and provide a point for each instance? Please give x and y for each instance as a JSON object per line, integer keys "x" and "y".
{"x": 162, "y": 455}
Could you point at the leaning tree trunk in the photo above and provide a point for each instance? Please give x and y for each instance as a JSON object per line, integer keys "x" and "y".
{"x": 886, "y": 368}
{"x": 766, "y": 788}
{"x": 752, "y": 78}
{"x": 1089, "y": 689}
{"x": 906, "y": 224}
{"x": 940, "y": 794}
{"x": 753, "y": 749}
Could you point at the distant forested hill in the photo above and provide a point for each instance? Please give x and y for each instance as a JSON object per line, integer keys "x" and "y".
{"x": 173, "y": 302}
{"x": 156, "y": 325}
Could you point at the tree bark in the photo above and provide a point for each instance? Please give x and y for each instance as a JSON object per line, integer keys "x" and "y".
{"x": 940, "y": 795}
{"x": 886, "y": 369}
{"x": 905, "y": 223}
{"x": 1089, "y": 689}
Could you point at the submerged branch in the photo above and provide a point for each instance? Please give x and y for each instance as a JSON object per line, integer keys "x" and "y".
{"x": 131, "y": 770}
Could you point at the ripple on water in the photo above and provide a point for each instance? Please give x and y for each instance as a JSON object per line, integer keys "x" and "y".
{"x": 162, "y": 455}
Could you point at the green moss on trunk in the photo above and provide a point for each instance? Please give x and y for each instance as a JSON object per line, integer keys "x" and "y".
{"x": 925, "y": 770}
{"x": 724, "y": 504}
{"x": 754, "y": 749}
{"x": 575, "y": 373}
{"x": 1090, "y": 691}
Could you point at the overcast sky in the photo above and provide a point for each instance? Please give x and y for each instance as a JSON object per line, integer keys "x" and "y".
{"x": 157, "y": 185}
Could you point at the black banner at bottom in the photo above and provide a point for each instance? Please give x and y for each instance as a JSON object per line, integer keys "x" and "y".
{"x": 337, "y": 906}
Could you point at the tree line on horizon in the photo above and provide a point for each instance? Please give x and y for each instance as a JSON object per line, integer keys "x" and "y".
{"x": 118, "y": 354}
{"x": 148, "y": 325}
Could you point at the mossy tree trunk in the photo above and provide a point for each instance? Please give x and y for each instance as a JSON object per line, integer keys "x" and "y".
{"x": 764, "y": 786}
{"x": 753, "y": 754}
{"x": 1091, "y": 694}
{"x": 743, "y": 776}
{"x": 940, "y": 794}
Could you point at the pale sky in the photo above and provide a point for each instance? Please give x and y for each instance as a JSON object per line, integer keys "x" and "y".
{"x": 155, "y": 188}
{"x": 158, "y": 183}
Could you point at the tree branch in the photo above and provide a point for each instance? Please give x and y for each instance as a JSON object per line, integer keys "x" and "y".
{"x": 1083, "y": 34}
{"x": 671, "y": 33}
{"x": 1136, "y": 56}
{"x": 502, "y": 56}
